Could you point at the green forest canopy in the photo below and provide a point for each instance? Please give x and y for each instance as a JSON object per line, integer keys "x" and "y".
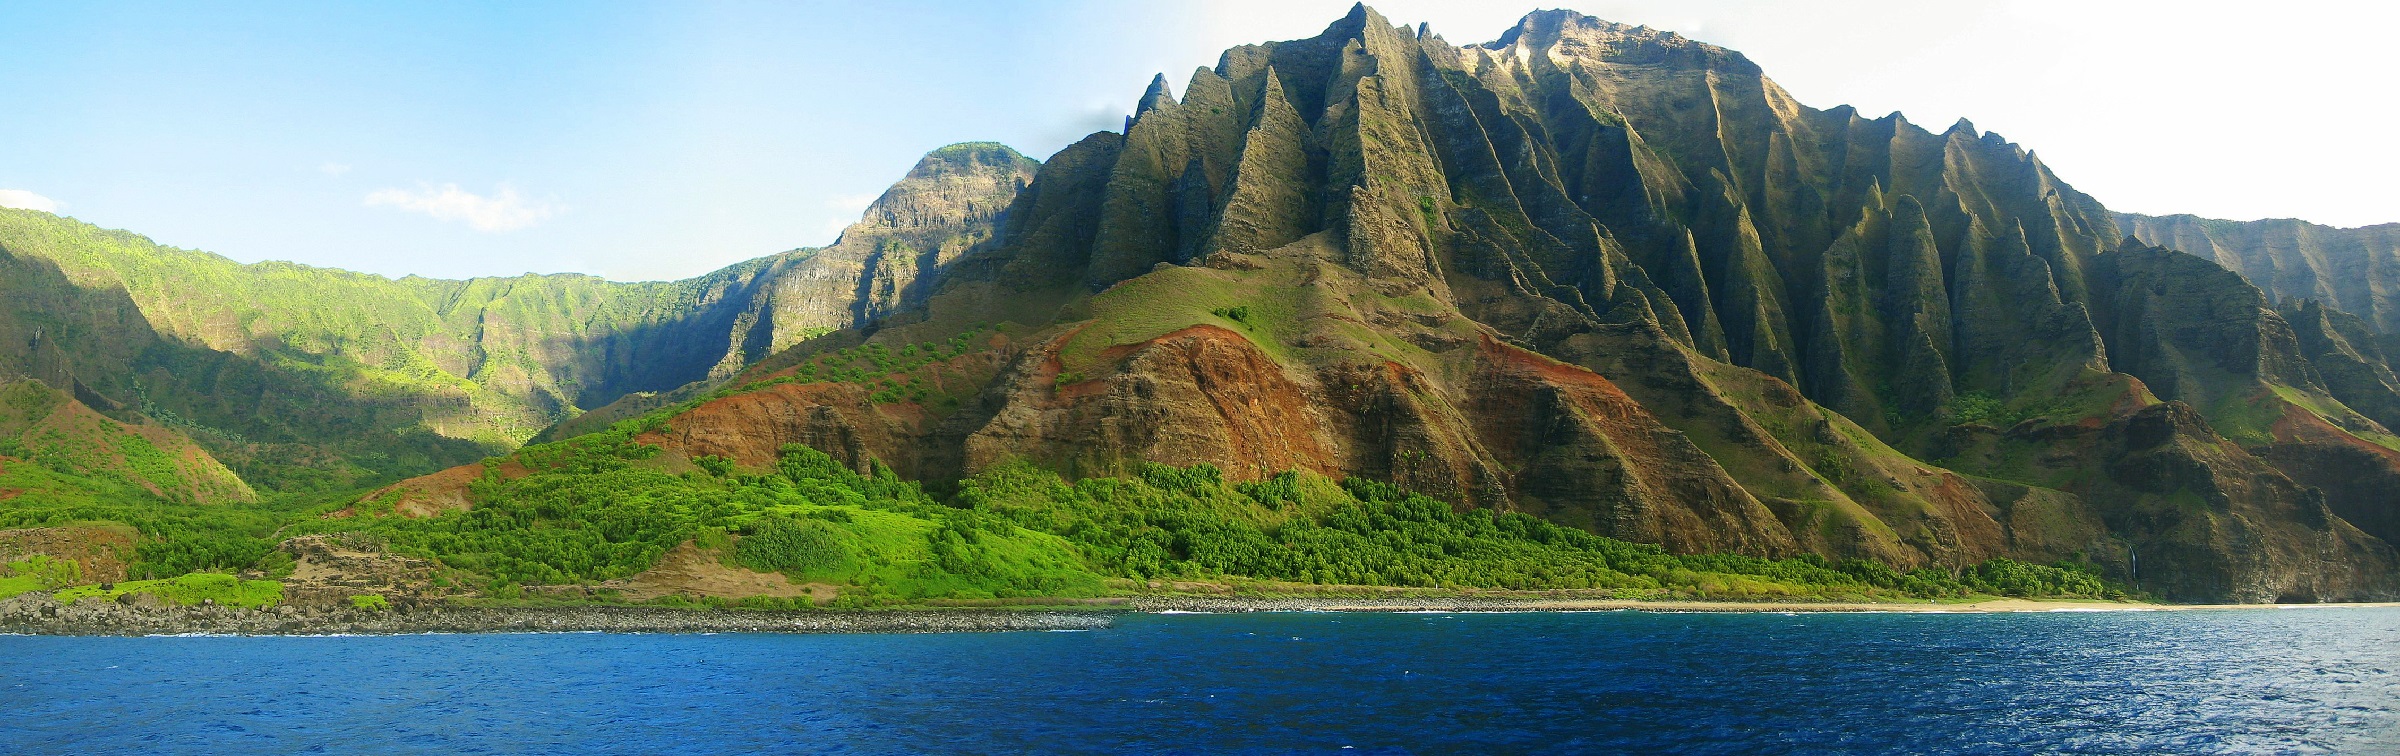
{"x": 598, "y": 507}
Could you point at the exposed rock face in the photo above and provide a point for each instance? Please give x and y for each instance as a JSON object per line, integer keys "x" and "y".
{"x": 2347, "y": 357}
{"x": 1482, "y": 178}
{"x": 432, "y": 494}
{"x": 2217, "y": 522}
{"x": 328, "y": 570}
{"x": 949, "y": 203}
{"x": 2196, "y": 332}
{"x": 752, "y": 428}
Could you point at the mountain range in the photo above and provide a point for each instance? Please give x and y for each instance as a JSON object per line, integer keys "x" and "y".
{"x": 1603, "y": 275}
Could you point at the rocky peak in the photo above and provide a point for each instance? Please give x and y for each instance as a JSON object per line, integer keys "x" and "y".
{"x": 1574, "y": 34}
{"x": 963, "y": 183}
{"x": 1354, "y": 23}
{"x": 1159, "y": 95}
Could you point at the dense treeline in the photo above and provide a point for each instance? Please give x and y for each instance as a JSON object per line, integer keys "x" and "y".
{"x": 1172, "y": 522}
{"x": 591, "y": 510}
{"x": 176, "y": 538}
{"x": 603, "y": 506}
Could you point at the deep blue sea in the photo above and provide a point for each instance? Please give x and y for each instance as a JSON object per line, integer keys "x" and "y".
{"x": 2281, "y": 681}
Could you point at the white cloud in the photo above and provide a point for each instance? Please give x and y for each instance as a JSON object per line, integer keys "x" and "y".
{"x": 334, "y": 169}
{"x": 25, "y": 200}
{"x": 505, "y": 210}
{"x": 847, "y": 209}
{"x": 851, "y": 203}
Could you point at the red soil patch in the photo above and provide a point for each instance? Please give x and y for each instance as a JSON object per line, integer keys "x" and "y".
{"x": 1546, "y": 369}
{"x": 432, "y": 494}
{"x": 1206, "y": 394}
{"x": 1203, "y": 330}
{"x": 2298, "y": 425}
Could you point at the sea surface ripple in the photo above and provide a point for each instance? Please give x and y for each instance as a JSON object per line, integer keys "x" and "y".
{"x": 2263, "y": 681}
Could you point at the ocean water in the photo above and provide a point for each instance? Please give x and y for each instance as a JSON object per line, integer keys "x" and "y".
{"x": 2269, "y": 681}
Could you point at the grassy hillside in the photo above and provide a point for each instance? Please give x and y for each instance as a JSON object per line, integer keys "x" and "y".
{"x": 314, "y": 378}
{"x": 42, "y": 426}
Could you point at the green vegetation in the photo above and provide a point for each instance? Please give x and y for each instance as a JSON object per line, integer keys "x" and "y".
{"x": 2088, "y": 394}
{"x": 1239, "y": 314}
{"x": 176, "y": 538}
{"x": 188, "y": 590}
{"x": 1187, "y": 523}
{"x": 780, "y": 542}
{"x": 40, "y": 424}
{"x": 1977, "y": 407}
{"x": 321, "y": 380}
{"x": 912, "y": 373}
{"x": 596, "y": 508}
{"x": 371, "y": 602}
{"x": 601, "y": 507}
{"x": 38, "y": 573}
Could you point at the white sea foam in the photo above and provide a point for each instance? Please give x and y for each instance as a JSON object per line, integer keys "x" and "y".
{"x": 193, "y": 635}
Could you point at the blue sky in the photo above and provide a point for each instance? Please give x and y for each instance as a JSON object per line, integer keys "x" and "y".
{"x": 661, "y": 140}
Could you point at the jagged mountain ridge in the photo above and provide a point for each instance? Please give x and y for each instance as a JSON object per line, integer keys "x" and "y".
{"x": 301, "y": 375}
{"x": 1618, "y": 278}
{"x": 2355, "y": 270}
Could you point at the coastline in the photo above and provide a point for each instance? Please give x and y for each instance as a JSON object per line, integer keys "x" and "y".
{"x": 38, "y": 614}
{"x": 34, "y": 614}
{"x": 1473, "y": 603}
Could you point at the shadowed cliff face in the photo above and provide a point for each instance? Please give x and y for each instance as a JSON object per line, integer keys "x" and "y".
{"x": 1619, "y": 279}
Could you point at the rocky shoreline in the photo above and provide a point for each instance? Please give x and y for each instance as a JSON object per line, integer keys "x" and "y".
{"x": 38, "y": 614}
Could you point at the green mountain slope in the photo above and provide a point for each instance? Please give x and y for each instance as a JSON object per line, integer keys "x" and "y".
{"x": 42, "y": 426}
{"x": 310, "y": 377}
